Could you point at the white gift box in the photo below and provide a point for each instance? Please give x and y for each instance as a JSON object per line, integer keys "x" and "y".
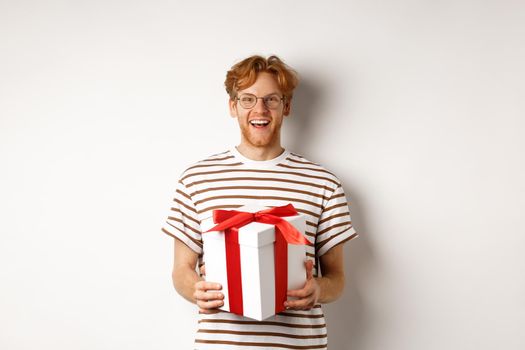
{"x": 257, "y": 262}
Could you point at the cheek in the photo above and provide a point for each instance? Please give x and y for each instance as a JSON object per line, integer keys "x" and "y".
{"x": 242, "y": 115}
{"x": 278, "y": 116}
{"x": 242, "y": 118}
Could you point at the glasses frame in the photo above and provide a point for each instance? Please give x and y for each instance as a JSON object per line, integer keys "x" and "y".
{"x": 283, "y": 98}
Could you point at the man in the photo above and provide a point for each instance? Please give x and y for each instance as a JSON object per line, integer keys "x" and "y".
{"x": 260, "y": 169}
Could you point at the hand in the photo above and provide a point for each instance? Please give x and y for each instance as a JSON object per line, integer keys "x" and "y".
{"x": 206, "y": 296}
{"x": 308, "y": 295}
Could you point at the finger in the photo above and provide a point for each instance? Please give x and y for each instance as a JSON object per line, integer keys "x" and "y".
{"x": 301, "y": 304}
{"x": 213, "y": 304}
{"x": 300, "y": 293}
{"x": 307, "y": 290}
{"x": 203, "y": 270}
{"x": 205, "y": 285}
{"x": 209, "y": 311}
{"x": 309, "y": 269}
{"x": 207, "y": 296}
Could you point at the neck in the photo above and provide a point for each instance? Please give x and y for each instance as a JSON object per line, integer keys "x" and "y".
{"x": 260, "y": 153}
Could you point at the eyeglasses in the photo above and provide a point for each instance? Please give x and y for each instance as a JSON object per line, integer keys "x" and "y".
{"x": 271, "y": 101}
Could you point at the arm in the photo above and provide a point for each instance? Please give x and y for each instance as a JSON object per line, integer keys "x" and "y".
{"x": 189, "y": 285}
{"x": 323, "y": 289}
{"x": 333, "y": 281}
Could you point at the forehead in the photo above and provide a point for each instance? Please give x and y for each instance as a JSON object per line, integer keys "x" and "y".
{"x": 265, "y": 84}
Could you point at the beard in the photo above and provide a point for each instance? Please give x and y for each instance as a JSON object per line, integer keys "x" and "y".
{"x": 260, "y": 139}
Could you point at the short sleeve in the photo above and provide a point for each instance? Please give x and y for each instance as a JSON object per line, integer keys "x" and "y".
{"x": 335, "y": 224}
{"x": 182, "y": 221}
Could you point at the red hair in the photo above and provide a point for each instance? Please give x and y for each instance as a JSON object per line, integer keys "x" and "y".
{"x": 244, "y": 73}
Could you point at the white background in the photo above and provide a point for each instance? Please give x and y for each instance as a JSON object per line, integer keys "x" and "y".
{"x": 417, "y": 106}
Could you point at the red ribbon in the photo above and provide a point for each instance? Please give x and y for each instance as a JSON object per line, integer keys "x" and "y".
{"x": 230, "y": 221}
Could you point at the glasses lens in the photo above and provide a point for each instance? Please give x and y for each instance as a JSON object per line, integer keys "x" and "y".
{"x": 272, "y": 101}
{"x": 247, "y": 100}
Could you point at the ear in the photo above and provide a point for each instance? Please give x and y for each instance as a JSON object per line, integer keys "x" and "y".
{"x": 233, "y": 108}
{"x": 287, "y": 107}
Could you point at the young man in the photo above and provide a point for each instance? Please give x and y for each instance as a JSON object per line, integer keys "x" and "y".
{"x": 260, "y": 169}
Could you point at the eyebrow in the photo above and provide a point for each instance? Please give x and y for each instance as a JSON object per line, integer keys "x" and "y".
{"x": 251, "y": 93}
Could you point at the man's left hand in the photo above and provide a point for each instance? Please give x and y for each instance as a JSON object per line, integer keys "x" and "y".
{"x": 308, "y": 295}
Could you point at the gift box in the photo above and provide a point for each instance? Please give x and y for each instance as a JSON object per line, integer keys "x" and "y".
{"x": 257, "y": 254}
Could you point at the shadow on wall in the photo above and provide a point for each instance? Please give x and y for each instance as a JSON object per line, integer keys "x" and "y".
{"x": 305, "y": 104}
{"x": 346, "y": 317}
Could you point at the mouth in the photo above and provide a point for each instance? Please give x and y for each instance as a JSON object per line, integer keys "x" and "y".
{"x": 260, "y": 123}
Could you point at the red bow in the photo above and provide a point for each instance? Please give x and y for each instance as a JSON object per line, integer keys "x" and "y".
{"x": 227, "y": 219}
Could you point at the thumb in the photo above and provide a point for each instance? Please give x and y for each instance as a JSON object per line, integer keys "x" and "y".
{"x": 309, "y": 264}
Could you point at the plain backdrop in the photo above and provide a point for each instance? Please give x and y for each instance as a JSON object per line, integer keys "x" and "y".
{"x": 417, "y": 106}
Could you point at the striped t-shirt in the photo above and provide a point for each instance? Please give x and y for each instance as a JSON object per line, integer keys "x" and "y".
{"x": 228, "y": 180}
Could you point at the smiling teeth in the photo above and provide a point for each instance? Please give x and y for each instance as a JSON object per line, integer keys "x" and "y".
{"x": 259, "y": 122}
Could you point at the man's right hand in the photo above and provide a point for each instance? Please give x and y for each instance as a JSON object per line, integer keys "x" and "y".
{"x": 206, "y": 295}
{"x": 190, "y": 285}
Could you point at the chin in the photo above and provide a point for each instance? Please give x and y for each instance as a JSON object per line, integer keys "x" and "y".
{"x": 260, "y": 143}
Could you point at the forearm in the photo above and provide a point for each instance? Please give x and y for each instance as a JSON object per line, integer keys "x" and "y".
{"x": 184, "y": 279}
{"x": 331, "y": 287}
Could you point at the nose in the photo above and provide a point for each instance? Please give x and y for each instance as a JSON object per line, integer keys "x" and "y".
{"x": 260, "y": 106}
